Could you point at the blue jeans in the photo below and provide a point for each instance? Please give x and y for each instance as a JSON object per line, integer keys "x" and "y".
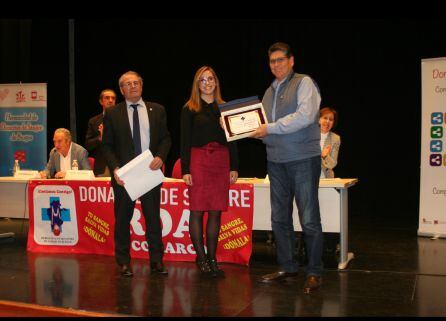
{"x": 298, "y": 180}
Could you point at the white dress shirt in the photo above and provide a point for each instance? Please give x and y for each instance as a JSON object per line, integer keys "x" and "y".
{"x": 144, "y": 126}
{"x": 65, "y": 162}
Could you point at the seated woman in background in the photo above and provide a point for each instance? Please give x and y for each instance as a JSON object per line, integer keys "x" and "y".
{"x": 330, "y": 142}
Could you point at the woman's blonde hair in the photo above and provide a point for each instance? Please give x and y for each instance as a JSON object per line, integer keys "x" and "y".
{"x": 194, "y": 102}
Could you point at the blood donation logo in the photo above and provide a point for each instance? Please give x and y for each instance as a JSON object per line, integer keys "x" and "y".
{"x": 55, "y": 220}
{"x": 56, "y": 215}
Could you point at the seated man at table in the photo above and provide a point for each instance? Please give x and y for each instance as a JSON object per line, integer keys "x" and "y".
{"x": 63, "y": 154}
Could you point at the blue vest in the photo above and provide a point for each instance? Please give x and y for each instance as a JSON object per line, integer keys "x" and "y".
{"x": 302, "y": 144}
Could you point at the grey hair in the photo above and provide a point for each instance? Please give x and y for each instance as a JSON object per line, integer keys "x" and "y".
{"x": 130, "y": 72}
{"x": 64, "y": 131}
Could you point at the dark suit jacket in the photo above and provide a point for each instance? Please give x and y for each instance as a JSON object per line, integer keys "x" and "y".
{"x": 117, "y": 141}
{"x": 93, "y": 144}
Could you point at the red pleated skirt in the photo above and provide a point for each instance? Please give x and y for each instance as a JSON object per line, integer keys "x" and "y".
{"x": 209, "y": 167}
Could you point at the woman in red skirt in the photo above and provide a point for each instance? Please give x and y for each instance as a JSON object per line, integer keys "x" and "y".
{"x": 209, "y": 165}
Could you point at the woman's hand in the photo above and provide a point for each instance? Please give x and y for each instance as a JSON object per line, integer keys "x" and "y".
{"x": 326, "y": 151}
{"x": 187, "y": 179}
{"x": 233, "y": 175}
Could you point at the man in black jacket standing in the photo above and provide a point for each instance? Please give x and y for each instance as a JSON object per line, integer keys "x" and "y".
{"x": 130, "y": 128}
{"x": 93, "y": 139}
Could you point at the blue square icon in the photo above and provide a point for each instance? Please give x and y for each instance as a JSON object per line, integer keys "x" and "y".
{"x": 436, "y": 118}
{"x": 436, "y": 146}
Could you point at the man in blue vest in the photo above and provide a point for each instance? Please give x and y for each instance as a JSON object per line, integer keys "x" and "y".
{"x": 292, "y": 139}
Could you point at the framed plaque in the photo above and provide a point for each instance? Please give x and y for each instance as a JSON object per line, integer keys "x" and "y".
{"x": 241, "y": 117}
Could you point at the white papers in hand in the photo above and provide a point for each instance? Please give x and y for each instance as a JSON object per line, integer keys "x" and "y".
{"x": 138, "y": 177}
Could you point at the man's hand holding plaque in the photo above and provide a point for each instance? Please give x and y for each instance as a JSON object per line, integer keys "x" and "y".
{"x": 260, "y": 132}
{"x": 241, "y": 117}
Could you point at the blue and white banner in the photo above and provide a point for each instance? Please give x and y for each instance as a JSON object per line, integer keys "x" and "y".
{"x": 23, "y": 124}
{"x": 432, "y": 216}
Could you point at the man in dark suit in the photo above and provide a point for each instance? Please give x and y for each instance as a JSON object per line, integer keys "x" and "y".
{"x": 145, "y": 122}
{"x": 93, "y": 139}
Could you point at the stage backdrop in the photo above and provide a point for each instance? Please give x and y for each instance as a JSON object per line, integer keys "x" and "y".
{"x": 22, "y": 126}
{"x": 432, "y": 220}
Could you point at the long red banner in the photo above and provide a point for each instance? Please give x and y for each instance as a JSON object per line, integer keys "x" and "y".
{"x": 78, "y": 217}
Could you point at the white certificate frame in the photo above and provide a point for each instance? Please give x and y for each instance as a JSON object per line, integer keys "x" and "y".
{"x": 232, "y": 116}
{"x": 244, "y": 122}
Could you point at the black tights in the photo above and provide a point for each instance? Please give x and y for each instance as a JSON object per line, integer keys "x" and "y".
{"x": 212, "y": 231}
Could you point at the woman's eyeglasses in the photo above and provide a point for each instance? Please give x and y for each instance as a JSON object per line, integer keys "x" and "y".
{"x": 207, "y": 80}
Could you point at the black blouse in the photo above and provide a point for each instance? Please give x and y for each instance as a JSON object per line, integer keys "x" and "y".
{"x": 201, "y": 128}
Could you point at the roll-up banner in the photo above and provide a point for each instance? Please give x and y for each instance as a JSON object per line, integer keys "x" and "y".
{"x": 432, "y": 216}
{"x": 23, "y": 123}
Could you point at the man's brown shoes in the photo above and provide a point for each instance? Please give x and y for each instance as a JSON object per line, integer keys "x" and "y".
{"x": 277, "y": 276}
{"x": 312, "y": 284}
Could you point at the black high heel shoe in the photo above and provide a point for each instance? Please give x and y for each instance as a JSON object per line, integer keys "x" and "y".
{"x": 216, "y": 272}
{"x": 204, "y": 267}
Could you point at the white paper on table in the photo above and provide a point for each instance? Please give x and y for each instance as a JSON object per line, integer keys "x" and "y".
{"x": 138, "y": 177}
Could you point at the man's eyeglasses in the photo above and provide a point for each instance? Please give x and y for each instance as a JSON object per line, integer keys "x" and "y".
{"x": 277, "y": 60}
{"x": 131, "y": 84}
{"x": 207, "y": 80}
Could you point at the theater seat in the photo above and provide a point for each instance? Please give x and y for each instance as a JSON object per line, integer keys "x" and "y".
{"x": 176, "y": 171}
